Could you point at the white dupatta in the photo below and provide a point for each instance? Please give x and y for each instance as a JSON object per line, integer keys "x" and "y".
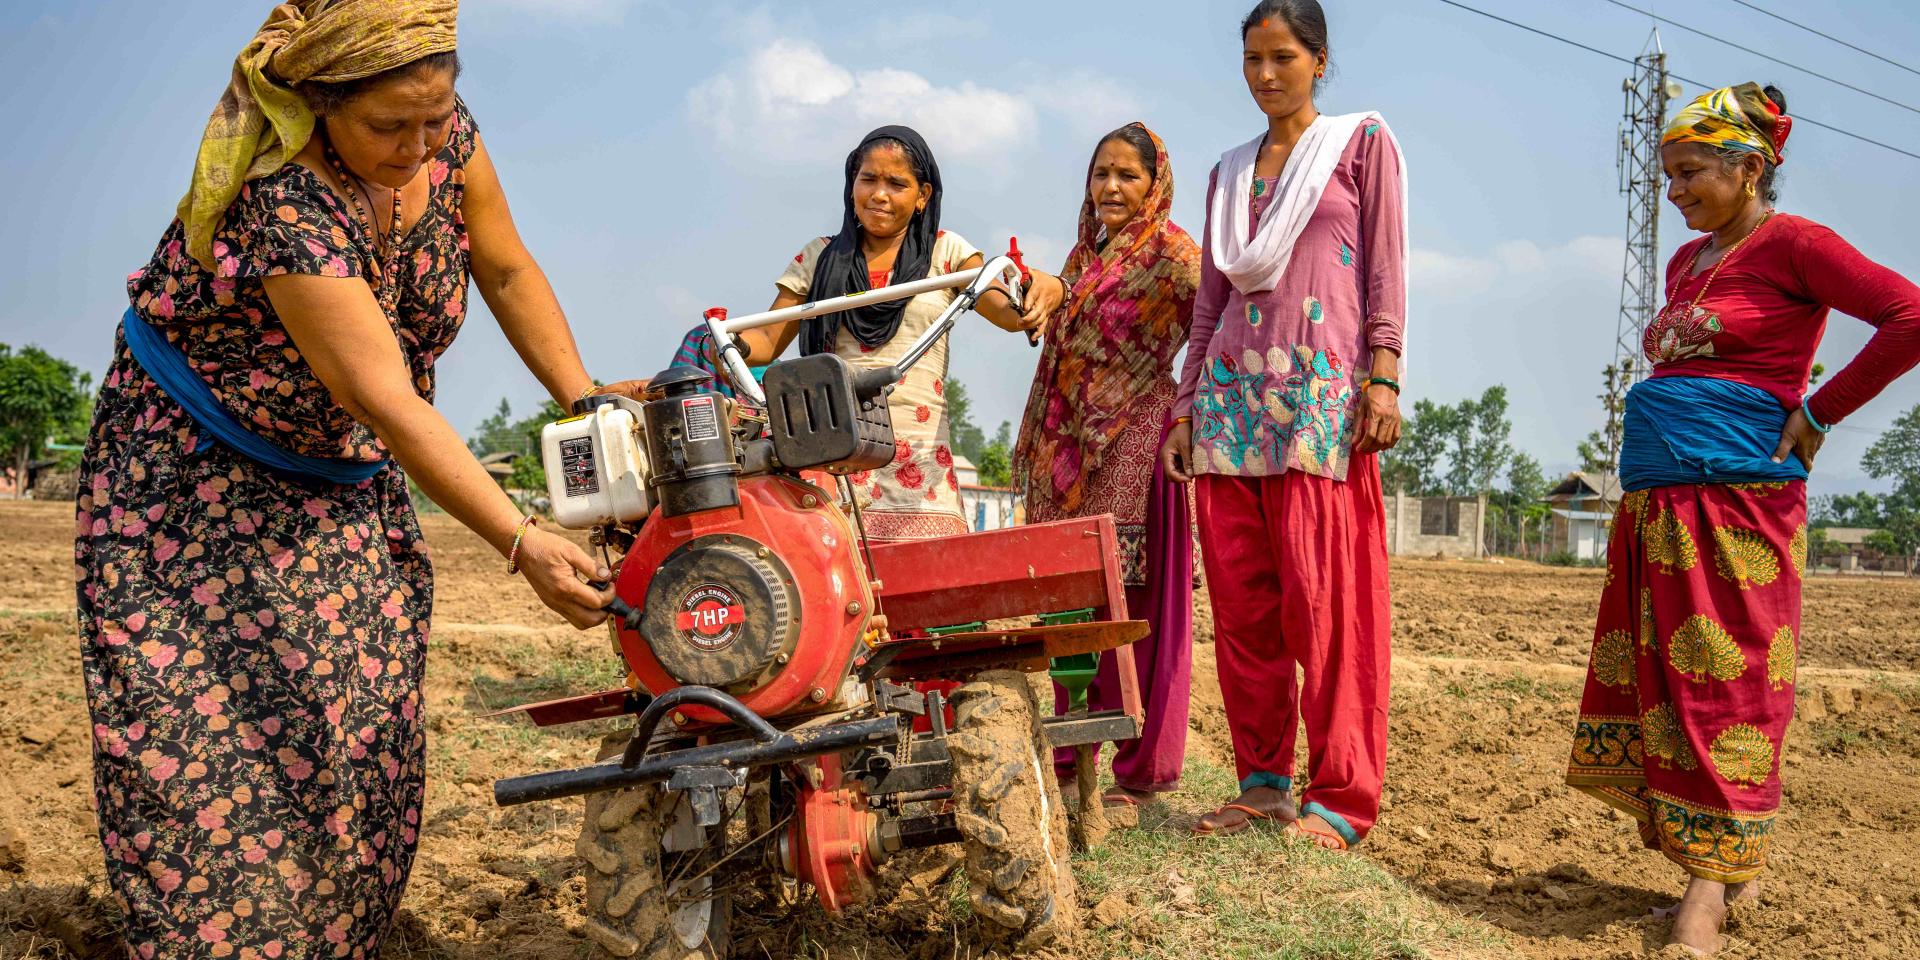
{"x": 1256, "y": 265}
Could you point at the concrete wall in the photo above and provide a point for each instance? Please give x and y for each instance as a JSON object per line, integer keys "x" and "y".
{"x": 1437, "y": 526}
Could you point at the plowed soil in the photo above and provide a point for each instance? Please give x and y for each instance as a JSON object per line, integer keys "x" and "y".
{"x": 1477, "y": 828}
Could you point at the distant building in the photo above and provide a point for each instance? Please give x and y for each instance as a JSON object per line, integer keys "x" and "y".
{"x": 499, "y": 466}
{"x": 986, "y": 508}
{"x": 1846, "y": 547}
{"x": 1436, "y": 526}
{"x": 1583, "y": 507}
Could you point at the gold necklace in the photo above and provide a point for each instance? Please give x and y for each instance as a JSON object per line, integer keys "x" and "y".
{"x": 1691, "y": 264}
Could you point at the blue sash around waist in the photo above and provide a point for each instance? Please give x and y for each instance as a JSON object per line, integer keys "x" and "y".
{"x": 169, "y": 368}
{"x": 1681, "y": 430}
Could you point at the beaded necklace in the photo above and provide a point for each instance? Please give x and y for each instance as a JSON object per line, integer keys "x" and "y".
{"x": 384, "y": 264}
{"x": 1695, "y": 262}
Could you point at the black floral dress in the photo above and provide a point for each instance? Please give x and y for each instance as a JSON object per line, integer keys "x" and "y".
{"x": 254, "y": 644}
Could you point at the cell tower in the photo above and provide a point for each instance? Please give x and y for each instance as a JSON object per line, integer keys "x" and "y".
{"x": 1642, "y": 183}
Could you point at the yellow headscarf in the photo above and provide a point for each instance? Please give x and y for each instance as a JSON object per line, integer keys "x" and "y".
{"x": 1733, "y": 118}
{"x": 261, "y": 123}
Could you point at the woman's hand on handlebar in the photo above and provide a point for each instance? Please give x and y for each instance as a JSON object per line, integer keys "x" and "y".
{"x": 1044, "y": 296}
{"x": 553, "y": 566}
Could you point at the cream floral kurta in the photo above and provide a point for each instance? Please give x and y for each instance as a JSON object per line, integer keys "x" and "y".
{"x": 917, "y": 496}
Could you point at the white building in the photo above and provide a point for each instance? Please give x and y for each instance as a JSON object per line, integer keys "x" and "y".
{"x": 986, "y": 508}
{"x": 1583, "y": 508}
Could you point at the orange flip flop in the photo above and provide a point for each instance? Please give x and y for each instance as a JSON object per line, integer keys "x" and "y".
{"x": 1324, "y": 839}
{"x": 1253, "y": 816}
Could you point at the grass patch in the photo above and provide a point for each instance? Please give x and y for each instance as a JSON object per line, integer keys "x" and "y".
{"x": 539, "y": 677}
{"x": 1256, "y": 895}
{"x": 1835, "y": 740}
{"x": 46, "y": 615}
{"x": 1524, "y": 687}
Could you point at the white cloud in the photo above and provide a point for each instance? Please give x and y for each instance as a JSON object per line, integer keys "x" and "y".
{"x": 1582, "y": 258}
{"x": 790, "y": 99}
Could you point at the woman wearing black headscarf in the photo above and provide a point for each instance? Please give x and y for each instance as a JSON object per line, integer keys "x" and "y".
{"x": 890, "y": 233}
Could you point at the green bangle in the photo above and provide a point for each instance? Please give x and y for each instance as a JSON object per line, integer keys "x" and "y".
{"x": 1385, "y": 382}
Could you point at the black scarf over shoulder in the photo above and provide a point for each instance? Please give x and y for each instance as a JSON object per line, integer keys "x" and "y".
{"x": 842, "y": 268}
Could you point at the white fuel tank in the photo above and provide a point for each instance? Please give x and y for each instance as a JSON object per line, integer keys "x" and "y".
{"x": 597, "y": 468}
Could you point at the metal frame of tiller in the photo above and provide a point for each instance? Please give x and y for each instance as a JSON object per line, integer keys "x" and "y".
{"x": 936, "y": 598}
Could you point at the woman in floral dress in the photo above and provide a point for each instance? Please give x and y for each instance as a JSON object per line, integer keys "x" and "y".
{"x": 254, "y": 593}
{"x": 890, "y": 233}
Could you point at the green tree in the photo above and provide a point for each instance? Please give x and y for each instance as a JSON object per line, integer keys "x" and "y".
{"x": 1413, "y": 467}
{"x": 968, "y": 439}
{"x": 494, "y": 432}
{"x": 1896, "y": 456}
{"x": 1619, "y": 378}
{"x": 1846, "y": 510}
{"x": 1897, "y": 452}
{"x": 1525, "y": 480}
{"x": 1480, "y": 440}
{"x": 995, "y": 466}
{"x": 1593, "y": 454}
{"x": 41, "y": 397}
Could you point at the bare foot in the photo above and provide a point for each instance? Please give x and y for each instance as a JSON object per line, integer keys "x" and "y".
{"x": 1737, "y": 893}
{"x": 1274, "y": 803}
{"x": 1700, "y": 915}
{"x": 1119, "y": 796}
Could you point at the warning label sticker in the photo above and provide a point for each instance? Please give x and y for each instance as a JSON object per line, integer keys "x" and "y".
{"x": 703, "y": 420}
{"x": 576, "y": 467}
{"x": 710, "y": 616}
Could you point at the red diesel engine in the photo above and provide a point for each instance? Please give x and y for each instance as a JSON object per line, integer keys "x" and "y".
{"x": 764, "y": 600}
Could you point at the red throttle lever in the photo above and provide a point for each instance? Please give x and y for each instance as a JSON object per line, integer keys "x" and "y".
{"x": 1026, "y": 281}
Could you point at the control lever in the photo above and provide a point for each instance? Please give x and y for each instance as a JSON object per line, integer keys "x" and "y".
{"x": 628, "y": 616}
{"x": 1026, "y": 283}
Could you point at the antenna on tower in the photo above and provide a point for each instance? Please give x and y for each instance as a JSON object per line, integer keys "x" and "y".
{"x": 1641, "y": 182}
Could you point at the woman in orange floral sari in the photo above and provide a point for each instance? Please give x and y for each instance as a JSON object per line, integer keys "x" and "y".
{"x": 1101, "y": 402}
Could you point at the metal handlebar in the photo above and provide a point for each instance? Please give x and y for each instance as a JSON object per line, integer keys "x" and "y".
{"x": 976, "y": 282}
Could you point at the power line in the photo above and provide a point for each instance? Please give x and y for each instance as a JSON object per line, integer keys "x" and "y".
{"x": 1764, "y": 56}
{"x": 1801, "y": 118}
{"x": 1828, "y": 36}
{"x": 1550, "y": 36}
{"x": 1797, "y": 117}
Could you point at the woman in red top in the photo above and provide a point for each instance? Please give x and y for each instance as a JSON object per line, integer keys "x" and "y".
{"x": 1690, "y": 683}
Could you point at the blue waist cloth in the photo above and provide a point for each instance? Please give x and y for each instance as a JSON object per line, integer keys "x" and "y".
{"x": 169, "y": 368}
{"x": 1681, "y": 430}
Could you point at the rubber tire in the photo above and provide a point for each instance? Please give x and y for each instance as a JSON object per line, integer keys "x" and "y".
{"x": 626, "y": 905}
{"x": 1007, "y": 807}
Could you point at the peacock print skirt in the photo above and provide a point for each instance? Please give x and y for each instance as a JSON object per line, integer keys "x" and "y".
{"x": 1690, "y": 683}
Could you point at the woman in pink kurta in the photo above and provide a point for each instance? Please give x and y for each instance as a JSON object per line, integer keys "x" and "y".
{"x": 1287, "y": 395}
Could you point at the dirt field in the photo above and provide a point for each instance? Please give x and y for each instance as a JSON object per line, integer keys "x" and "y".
{"x": 1480, "y": 852}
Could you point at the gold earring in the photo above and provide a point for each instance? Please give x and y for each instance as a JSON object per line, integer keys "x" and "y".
{"x": 1751, "y": 193}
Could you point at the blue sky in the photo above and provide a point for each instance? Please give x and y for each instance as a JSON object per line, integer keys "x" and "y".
{"x": 663, "y": 157}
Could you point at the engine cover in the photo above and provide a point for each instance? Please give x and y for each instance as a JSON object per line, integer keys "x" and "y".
{"x": 768, "y": 600}
{"x": 696, "y": 619}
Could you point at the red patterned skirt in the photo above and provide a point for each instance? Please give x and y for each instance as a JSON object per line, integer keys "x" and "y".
{"x": 1690, "y": 683}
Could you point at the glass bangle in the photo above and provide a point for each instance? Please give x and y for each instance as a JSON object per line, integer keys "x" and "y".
{"x": 1808, "y": 413}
